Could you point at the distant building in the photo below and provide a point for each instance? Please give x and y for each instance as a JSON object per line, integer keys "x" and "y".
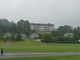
{"x": 8, "y": 34}
{"x": 23, "y": 36}
{"x": 42, "y": 27}
{"x": 38, "y": 40}
{"x": 68, "y": 35}
{"x": 33, "y": 35}
{"x": 55, "y": 29}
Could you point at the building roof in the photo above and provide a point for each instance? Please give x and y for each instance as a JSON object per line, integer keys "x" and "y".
{"x": 7, "y": 34}
{"x": 68, "y": 34}
{"x": 23, "y": 34}
{"x": 42, "y": 24}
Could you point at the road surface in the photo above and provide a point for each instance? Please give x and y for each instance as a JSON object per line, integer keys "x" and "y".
{"x": 37, "y": 54}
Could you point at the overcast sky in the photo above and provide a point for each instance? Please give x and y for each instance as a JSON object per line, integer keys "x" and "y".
{"x": 57, "y": 12}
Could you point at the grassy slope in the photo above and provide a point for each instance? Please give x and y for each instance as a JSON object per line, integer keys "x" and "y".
{"x": 47, "y": 58}
{"x": 32, "y": 46}
{"x": 43, "y": 32}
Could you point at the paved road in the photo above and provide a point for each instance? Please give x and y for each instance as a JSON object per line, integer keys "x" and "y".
{"x": 14, "y": 55}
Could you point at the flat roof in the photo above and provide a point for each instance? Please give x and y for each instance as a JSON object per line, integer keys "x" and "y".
{"x": 42, "y": 24}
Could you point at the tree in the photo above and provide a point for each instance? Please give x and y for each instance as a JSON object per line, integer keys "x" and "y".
{"x": 18, "y": 36}
{"x": 65, "y": 29}
{"x": 55, "y": 33}
{"x": 12, "y": 27}
{"x": 27, "y": 24}
{"x": 33, "y": 31}
{"x": 13, "y": 37}
{"x": 76, "y": 34}
{"x": 4, "y": 25}
{"x": 24, "y": 27}
{"x": 47, "y": 39}
{"x": 0, "y": 37}
{"x": 7, "y": 37}
{"x": 27, "y": 32}
{"x": 21, "y": 25}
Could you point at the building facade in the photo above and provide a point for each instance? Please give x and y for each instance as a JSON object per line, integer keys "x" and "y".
{"x": 33, "y": 35}
{"x": 42, "y": 27}
{"x": 8, "y": 34}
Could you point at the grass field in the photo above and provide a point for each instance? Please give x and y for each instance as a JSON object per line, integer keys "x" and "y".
{"x": 47, "y": 58}
{"x": 32, "y": 46}
{"x": 43, "y": 32}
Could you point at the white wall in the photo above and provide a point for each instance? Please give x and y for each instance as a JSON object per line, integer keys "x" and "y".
{"x": 42, "y": 27}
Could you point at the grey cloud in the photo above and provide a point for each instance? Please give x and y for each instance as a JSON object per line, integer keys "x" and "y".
{"x": 57, "y": 12}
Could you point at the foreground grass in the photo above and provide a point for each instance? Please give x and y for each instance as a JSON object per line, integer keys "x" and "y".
{"x": 32, "y": 46}
{"x": 47, "y": 58}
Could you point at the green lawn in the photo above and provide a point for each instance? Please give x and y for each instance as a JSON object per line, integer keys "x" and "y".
{"x": 43, "y": 32}
{"x": 32, "y": 46}
{"x": 47, "y": 58}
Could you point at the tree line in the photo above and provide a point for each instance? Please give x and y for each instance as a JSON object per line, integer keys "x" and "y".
{"x": 22, "y": 26}
{"x": 58, "y": 35}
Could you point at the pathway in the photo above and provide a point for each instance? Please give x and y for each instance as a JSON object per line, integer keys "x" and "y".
{"x": 14, "y": 55}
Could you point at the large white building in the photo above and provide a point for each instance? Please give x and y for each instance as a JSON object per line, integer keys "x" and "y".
{"x": 42, "y": 27}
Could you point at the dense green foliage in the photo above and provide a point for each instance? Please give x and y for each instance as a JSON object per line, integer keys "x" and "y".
{"x": 19, "y": 28}
{"x": 58, "y": 35}
{"x": 23, "y": 27}
{"x": 58, "y": 39}
{"x": 62, "y": 30}
{"x": 76, "y": 33}
{"x": 47, "y": 38}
